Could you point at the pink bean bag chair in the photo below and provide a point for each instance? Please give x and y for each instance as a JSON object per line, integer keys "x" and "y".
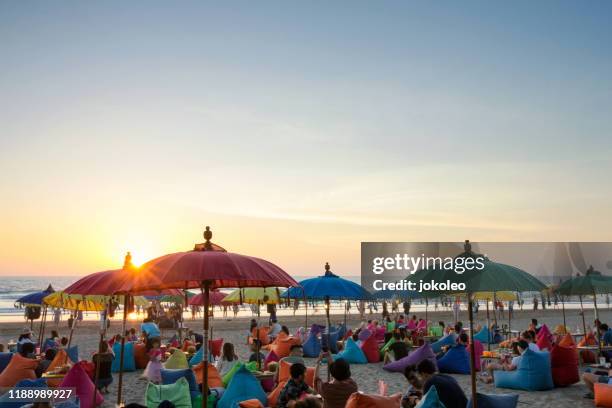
{"x": 370, "y": 349}
{"x": 379, "y": 335}
{"x": 544, "y": 332}
{"x": 78, "y": 378}
{"x": 411, "y": 325}
{"x": 422, "y": 353}
{"x": 478, "y": 348}
{"x": 268, "y": 385}
{"x": 544, "y": 343}
{"x": 364, "y": 334}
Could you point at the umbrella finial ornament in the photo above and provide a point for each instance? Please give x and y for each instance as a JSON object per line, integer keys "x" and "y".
{"x": 127, "y": 262}
{"x": 207, "y": 237}
{"x": 327, "y": 267}
{"x": 467, "y": 246}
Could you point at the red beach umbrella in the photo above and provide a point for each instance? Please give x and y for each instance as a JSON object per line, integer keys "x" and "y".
{"x": 216, "y": 298}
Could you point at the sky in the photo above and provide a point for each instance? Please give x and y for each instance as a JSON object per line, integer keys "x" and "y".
{"x": 296, "y": 130}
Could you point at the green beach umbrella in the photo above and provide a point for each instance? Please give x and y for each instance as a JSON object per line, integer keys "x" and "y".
{"x": 475, "y": 273}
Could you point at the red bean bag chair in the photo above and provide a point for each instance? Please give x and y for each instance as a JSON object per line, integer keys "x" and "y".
{"x": 370, "y": 349}
{"x": 478, "y": 349}
{"x": 379, "y": 334}
{"x": 84, "y": 387}
{"x": 141, "y": 358}
{"x": 215, "y": 346}
{"x": 588, "y": 356}
{"x": 603, "y": 395}
{"x": 214, "y": 379}
{"x": 544, "y": 343}
{"x": 564, "y": 365}
{"x": 359, "y": 400}
{"x": 348, "y": 334}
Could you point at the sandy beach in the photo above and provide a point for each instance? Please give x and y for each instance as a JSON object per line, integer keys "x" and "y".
{"x": 367, "y": 375}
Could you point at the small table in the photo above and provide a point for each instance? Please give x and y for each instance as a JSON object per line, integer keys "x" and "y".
{"x": 265, "y": 375}
{"x": 52, "y": 375}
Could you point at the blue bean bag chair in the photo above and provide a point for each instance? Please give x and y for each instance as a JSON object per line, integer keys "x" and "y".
{"x": 341, "y": 330}
{"x": 455, "y": 361}
{"x": 170, "y": 376}
{"x": 431, "y": 399}
{"x": 6, "y": 402}
{"x": 196, "y": 358}
{"x": 484, "y": 336}
{"x": 73, "y": 353}
{"x": 5, "y": 358}
{"x": 333, "y": 341}
{"x": 129, "y": 364}
{"x": 448, "y": 340}
{"x": 312, "y": 346}
{"x": 495, "y": 401}
{"x": 352, "y": 353}
{"x": 533, "y": 373}
{"x": 49, "y": 344}
{"x": 422, "y": 353}
{"x": 242, "y": 387}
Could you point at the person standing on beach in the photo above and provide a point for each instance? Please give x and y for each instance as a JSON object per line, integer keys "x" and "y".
{"x": 57, "y": 316}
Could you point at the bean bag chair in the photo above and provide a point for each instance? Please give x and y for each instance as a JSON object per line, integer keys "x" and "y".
{"x": 341, "y": 331}
{"x": 543, "y": 343}
{"x": 284, "y": 373}
{"x": 544, "y": 332}
{"x": 170, "y": 376}
{"x": 49, "y": 344}
{"x": 268, "y": 384}
{"x": 60, "y": 359}
{"x": 348, "y": 334}
{"x": 214, "y": 379}
{"x": 603, "y": 395}
{"x": 227, "y": 378}
{"x": 532, "y": 374}
{"x": 478, "y": 350}
{"x": 484, "y": 336}
{"x": 560, "y": 330}
{"x": 19, "y": 368}
{"x": 83, "y": 385}
{"x": 351, "y": 353}
{"x": 436, "y": 331}
{"x": 262, "y": 334}
{"x": 177, "y": 393}
{"x": 384, "y": 348}
{"x": 364, "y": 334}
{"x": 270, "y": 358}
{"x": 129, "y": 364}
{"x": 564, "y": 363}
{"x": 431, "y": 399}
{"x": 282, "y": 346}
{"x": 412, "y": 325}
{"x": 141, "y": 358}
{"x": 178, "y": 359}
{"x": 7, "y": 402}
{"x": 197, "y": 357}
{"x": 422, "y": 353}
{"x": 455, "y": 361}
{"x": 370, "y": 349}
{"x": 588, "y": 356}
{"x": 359, "y": 400}
{"x": 333, "y": 342}
{"x": 73, "y": 353}
{"x": 495, "y": 401}
{"x": 215, "y": 346}
{"x": 379, "y": 334}
{"x": 312, "y": 346}
{"x": 242, "y": 387}
{"x": 567, "y": 341}
{"x": 4, "y": 360}
{"x": 252, "y": 403}
{"x": 448, "y": 340}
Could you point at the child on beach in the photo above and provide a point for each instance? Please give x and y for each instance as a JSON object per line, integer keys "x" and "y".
{"x": 153, "y": 370}
{"x": 227, "y": 360}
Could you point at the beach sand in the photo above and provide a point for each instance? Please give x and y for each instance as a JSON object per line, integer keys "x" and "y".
{"x": 367, "y": 376}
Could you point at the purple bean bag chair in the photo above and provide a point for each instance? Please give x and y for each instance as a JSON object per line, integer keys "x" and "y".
{"x": 422, "y": 353}
{"x": 364, "y": 334}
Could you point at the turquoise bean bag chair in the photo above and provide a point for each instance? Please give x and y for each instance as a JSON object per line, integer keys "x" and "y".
{"x": 197, "y": 357}
{"x": 242, "y": 387}
{"x": 495, "y": 401}
{"x": 73, "y": 353}
{"x": 333, "y": 341}
{"x": 455, "y": 361}
{"x": 448, "y": 340}
{"x": 6, "y": 402}
{"x": 484, "y": 336}
{"x": 352, "y": 353}
{"x": 422, "y": 353}
{"x": 5, "y": 358}
{"x": 170, "y": 376}
{"x": 533, "y": 373}
{"x": 431, "y": 399}
{"x": 312, "y": 346}
{"x": 129, "y": 364}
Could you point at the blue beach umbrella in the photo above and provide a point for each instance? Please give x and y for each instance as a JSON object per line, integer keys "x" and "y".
{"x": 34, "y": 299}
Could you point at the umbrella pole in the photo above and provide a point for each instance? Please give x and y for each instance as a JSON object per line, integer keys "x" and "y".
{"x": 426, "y": 307}
{"x": 74, "y": 323}
{"x": 257, "y": 344}
{"x": 495, "y": 309}
{"x": 472, "y": 352}
{"x": 597, "y": 320}
{"x": 41, "y": 332}
{"x": 583, "y": 321}
{"x": 205, "y": 290}
{"x": 328, "y": 329}
{"x": 306, "y": 313}
{"x": 563, "y": 308}
{"x": 122, "y": 352}
{"x": 488, "y": 324}
{"x": 345, "y": 307}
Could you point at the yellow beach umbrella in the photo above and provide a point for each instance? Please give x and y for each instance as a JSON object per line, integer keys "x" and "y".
{"x": 86, "y": 303}
{"x": 503, "y": 296}
{"x": 255, "y": 296}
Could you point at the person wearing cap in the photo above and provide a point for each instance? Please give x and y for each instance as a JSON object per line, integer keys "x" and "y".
{"x": 24, "y": 337}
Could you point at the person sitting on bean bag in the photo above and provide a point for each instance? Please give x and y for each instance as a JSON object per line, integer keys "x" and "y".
{"x": 457, "y": 359}
{"x": 415, "y": 389}
{"x": 21, "y": 367}
{"x": 296, "y": 388}
{"x": 336, "y": 392}
{"x": 488, "y": 375}
{"x": 228, "y": 359}
{"x": 533, "y": 373}
{"x": 397, "y": 350}
{"x": 449, "y": 391}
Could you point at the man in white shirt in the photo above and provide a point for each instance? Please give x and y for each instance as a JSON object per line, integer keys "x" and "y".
{"x": 275, "y": 329}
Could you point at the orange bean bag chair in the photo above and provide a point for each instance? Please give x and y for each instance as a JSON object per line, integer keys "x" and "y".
{"x": 141, "y": 357}
{"x": 19, "y": 368}
{"x": 567, "y": 341}
{"x": 281, "y": 336}
{"x": 61, "y": 358}
{"x": 588, "y": 356}
{"x": 214, "y": 379}
{"x": 252, "y": 403}
{"x": 283, "y": 373}
{"x": 564, "y": 365}
{"x": 263, "y": 335}
{"x": 282, "y": 347}
{"x": 603, "y": 395}
{"x": 370, "y": 349}
{"x": 359, "y": 400}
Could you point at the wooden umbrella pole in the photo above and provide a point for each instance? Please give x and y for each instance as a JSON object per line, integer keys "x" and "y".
{"x": 306, "y": 313}
{"x": 472, "y": 353}
{"x": 41, "y": 332}
{"x": 97, "y": 364}
{"x": 74, "y": 323}
{"x": 328, "y": 330}
{"x": 598, "y": 323}
{"x": 257, "y": 343}
{"x": 563, "y": 308}
{"x": 205, "y": 290}
{"x": 426, "y": 307}
{"x": 488, "y": 324}
{"x": 122, "y": 352}
{"x": 583, "y": 321}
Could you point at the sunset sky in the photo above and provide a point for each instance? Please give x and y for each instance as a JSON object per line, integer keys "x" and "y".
{"x": 296, "y": 130}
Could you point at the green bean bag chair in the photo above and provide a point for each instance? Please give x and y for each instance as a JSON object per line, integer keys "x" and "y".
{"x": 384, "y": 348}
{"x": 178, "y": 359}
{"x": 177, "y": 393}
